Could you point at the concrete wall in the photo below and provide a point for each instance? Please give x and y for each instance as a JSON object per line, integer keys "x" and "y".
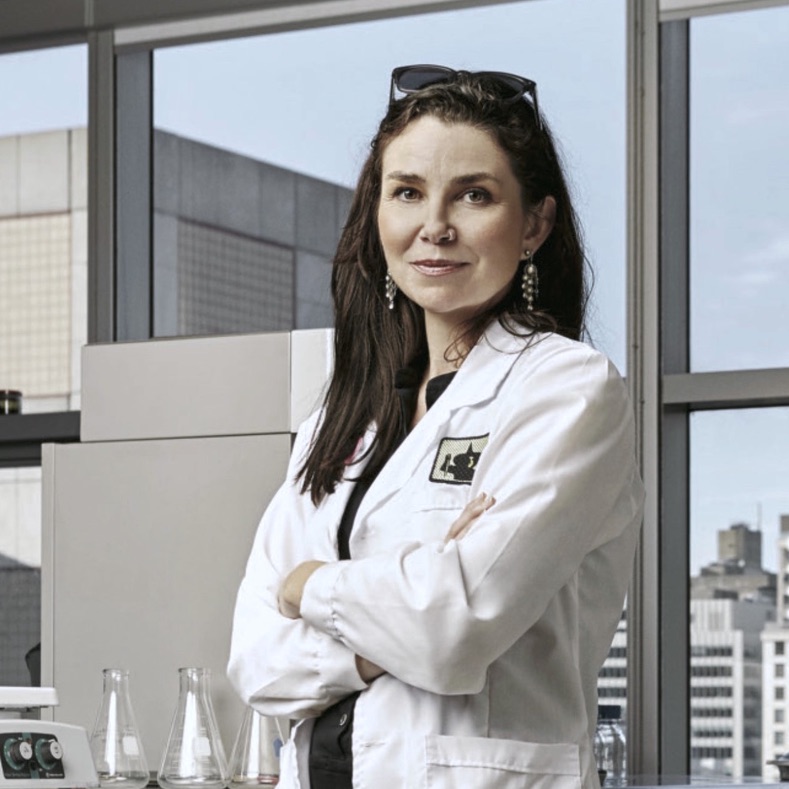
{"x": 240, "y": 244}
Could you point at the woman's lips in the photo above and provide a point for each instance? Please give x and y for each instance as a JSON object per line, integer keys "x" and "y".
{"x": 437, "y": 268}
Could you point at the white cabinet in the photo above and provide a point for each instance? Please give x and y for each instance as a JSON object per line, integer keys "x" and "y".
{"x": 145, "y": 538}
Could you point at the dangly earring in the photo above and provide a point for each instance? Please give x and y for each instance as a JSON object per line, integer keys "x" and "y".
{"x": 530, "y": 282}
{"x": 390, "y": 289}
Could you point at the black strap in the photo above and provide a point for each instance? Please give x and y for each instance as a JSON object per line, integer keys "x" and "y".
{"x": 346, "y": 524}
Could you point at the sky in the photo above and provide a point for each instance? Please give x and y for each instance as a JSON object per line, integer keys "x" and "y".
{"x": 740, "y": 190}
{"x": 310, "y": 101}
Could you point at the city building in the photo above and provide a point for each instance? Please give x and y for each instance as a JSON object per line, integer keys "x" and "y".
{"x": 726, "y": 684}
{"x": 612, "y": 679}
{"x": 732, "y": 601}
{"x": 738, "y": 569}
{"x": 775, "y": 647}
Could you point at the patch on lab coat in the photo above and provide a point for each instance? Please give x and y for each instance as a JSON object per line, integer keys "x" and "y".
{"x": 457, "y": 459}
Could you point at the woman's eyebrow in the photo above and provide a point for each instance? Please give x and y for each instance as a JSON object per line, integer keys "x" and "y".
{"x": 399, "y": 175}
{"x": 463, "y": 180}
{"x": 475, "y": 178}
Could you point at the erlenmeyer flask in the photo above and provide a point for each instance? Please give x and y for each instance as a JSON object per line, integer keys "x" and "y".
{"x": 194, "y": 756}
{"x": 255, "y": 758}
{"x": 115, "y": 743}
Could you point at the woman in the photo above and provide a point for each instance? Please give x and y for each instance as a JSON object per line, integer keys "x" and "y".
{"x": 433, "y": 590}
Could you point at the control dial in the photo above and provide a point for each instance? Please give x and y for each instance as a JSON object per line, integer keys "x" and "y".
{"x": 21, "y": 751}
{"x": 48, "y": 753}
{"x": 18, "y": 753}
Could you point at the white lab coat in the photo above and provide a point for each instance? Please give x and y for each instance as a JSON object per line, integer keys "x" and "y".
{"x": 491, "y": 643}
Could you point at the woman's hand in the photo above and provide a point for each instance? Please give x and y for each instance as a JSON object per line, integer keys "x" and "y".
{"x": 468, "y": 517}
{"x": 289, "y": 601}
{"x": 292, "y": 589}
{"x": 368, "y": 670}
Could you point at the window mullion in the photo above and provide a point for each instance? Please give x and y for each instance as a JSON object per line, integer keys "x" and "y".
{"x": 674, "y": 483}
{"x": 101, "y": 187}
{"x": 133, "y": 188}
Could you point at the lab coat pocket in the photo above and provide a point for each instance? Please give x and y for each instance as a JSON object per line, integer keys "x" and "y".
{"x": 447, "y": 500}
{"x": 486, "y": 763}
{"x": 421, "y": 516}
{"x": 432, "y": 520}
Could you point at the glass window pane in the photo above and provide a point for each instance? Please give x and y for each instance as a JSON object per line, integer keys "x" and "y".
{"x": 739, "y": 195}
{"x": 43, "y": 225}
{"x": 258, "y": 143}
{"x": 739, "y": 544}
{"x": 20, "y": 575}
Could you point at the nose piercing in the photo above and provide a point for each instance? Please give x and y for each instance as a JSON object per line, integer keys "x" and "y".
{"x": 447, "y": 235}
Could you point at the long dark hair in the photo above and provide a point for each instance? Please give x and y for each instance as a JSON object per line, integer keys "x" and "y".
{"x": 372, "y": 342}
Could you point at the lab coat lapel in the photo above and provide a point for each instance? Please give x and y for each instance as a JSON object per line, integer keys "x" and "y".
{"x": 477, "y": 381}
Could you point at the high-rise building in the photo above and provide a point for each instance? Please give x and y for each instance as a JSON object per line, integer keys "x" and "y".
{"x": 775, "y": 647}
{"x": 740, "y": 545}
{"x": 738, "y": 569}
{"x": 725, "y": 679}
{"x": 726, "y": 684}
{"x": 612, "y": 679}
{"x": 732, "y": 601}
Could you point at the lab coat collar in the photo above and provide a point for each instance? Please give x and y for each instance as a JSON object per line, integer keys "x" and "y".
{"x": 486, "y": 366}
{"x": 477, "y": 381}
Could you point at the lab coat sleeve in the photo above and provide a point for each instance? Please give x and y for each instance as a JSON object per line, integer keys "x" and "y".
{"x": 281, "y": 666}
{"x": 560, "y": 462}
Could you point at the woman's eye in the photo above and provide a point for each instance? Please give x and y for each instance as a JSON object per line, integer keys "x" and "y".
{"x": 477, "y": 196}
{"x": 406, "y": 193}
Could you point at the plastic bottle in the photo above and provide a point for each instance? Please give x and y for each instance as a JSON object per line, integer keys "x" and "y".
{"x": 194, "y": 756}
{"x": 599, "y": 745}
{"x": 115, "y": 743}
{"x": 610, "y": 748}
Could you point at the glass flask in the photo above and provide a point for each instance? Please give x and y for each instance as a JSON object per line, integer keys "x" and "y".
{"x": 255, "y": 757}
{"x": 194, "y": 756}
{"x": 610, "y": 749}
{"x": 115, "y": 743}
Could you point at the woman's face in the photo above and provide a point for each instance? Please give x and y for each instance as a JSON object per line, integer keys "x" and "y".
{"x": 451, "y": 218}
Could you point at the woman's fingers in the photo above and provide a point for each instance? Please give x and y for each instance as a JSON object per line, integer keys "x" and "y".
{"x": 468, "y": 517}
{"x": 292, "y": 588}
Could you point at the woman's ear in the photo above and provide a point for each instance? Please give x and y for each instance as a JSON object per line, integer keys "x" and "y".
{"x": 540, "y": 223}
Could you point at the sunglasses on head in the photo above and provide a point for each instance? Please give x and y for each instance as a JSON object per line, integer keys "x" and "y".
{"x": 411, "y": 79}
